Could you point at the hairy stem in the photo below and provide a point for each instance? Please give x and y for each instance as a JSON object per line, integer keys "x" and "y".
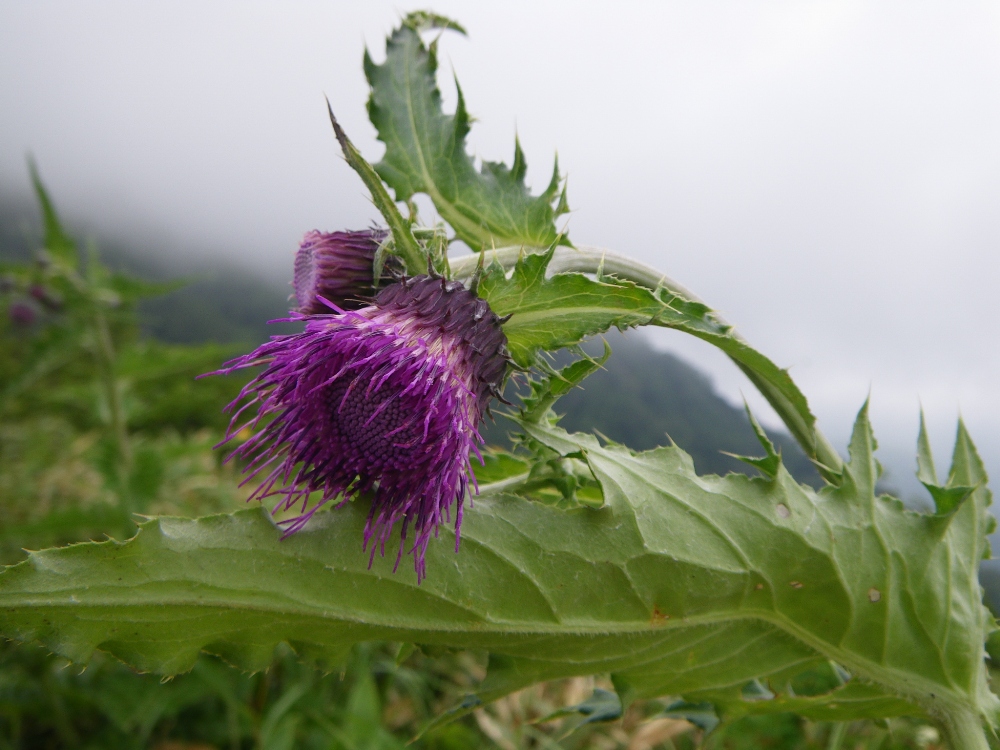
{"x": 593, "y": 260}
{"x": 836, "y": 737}
{"x": 962, "y": 730}
{"x": 112, "y": 393}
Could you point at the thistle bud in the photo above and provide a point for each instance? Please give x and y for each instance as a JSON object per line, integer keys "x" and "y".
{"x": 22, "y": 313}
{"x": 337, "y": 266}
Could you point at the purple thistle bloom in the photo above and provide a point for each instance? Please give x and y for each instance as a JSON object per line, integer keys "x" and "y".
{"x": 22, "y": 313}
{"x": 384, "y": 400}
{"x": 337, "y": 266}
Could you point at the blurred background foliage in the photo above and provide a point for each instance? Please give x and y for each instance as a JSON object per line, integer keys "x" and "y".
{"x": 102, "y": 418}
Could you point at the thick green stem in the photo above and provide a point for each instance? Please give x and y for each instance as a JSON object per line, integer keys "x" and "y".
{"x": 593, "y": 260}
{"x": 963, "y": 730}
{"x": 836, "y": 736}
{"x": 112, "y": 394}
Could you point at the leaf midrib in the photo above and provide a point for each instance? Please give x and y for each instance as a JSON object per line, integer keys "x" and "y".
{"x": 889, "y": 678}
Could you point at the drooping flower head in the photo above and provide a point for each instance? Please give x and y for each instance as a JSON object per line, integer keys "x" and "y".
{"x": 337, "y": 266}
{"x": 386, "y": 399}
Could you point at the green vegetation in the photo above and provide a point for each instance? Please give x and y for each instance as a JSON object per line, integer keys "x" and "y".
{"x": 60, "y": 483}
{"x": 603, "y": 597}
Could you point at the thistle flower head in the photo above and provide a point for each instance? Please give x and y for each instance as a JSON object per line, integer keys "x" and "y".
{"x": 337, "y": 266}
{"x": 22, "y": 313}
{"x": 384, "y": 400}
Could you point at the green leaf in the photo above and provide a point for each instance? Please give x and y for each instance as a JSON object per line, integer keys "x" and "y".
{"x": 702, "y": 715}
{"x": 545, "y": 392}
{"x": 581, "y": 310}
{"x": 405, "y": 245}
{"x": 498, "y": 465}
{"x": 680, "y": 585}
{"x": 554, "y": 311}
{"x": 768, "y": 465}
{"x": 57, "y": 242}
{"x": 926, "y": 472}
{"x": 603, "y": 705}
{"x": 949, "y": 497}
{"x": 422, "y": 20}
{"x": 425, "y": 151}
{"x": 562, "y": 310}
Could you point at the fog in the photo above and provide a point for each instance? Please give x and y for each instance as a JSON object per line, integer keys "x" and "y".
{"x": 825, "y": 174}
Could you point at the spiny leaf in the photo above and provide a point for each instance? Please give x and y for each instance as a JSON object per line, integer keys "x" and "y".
{"x": 578, "y": 309}
{"x": 425, "y": 151}
{"x": 422, "y": 20}
{"x": 57, "y": 242}
{"x": 926, "y": 472}
{"x": 967, "y": 467}
{"x": 946, "y": 499}
{"x": 681, "y": 585}
{"x": 405, "y": 245}
{"x": 550, "y": 313}
{"x": 769, "y": 464}
{"x": 702, "y": 715}
{"x": 545, "y": 392}
{"x": 603, "y": 705}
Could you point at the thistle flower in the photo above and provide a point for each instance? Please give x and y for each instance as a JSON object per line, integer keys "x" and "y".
{"x": 22, "y": 313}
{"x": 385, "y": 400}
{"x": 337, "y": 266}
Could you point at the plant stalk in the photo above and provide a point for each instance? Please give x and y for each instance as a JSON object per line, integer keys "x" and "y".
{"x": 962, "y": 730}
{"x": 119, "y": 427}
{"x": 836, "y": 737}
{"x": 593, "y": 260}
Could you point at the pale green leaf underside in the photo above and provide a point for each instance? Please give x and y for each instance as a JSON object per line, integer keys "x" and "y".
{"x": 680, "y": 585}
{"x": 425, "y": 153}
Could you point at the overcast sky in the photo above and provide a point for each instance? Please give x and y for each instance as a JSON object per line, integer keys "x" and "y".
{"x": 825, "y": 174}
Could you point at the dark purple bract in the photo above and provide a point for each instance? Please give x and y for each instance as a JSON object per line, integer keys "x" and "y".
{"x": 384, "y": 400}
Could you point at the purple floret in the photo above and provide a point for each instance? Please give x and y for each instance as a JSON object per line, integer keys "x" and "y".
{"x": 385, "y": 400}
